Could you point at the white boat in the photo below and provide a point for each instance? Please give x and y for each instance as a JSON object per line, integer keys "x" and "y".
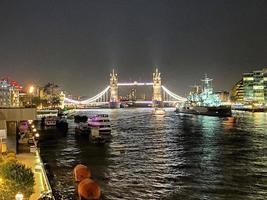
{"x": 95, "y": 136}
{"x": 82, "y": 129}
{"x": 46, "y": 113}
{"x": 50, "y": 121}
{"x": 102, "y": 122}
{"x": 159, "y": 111}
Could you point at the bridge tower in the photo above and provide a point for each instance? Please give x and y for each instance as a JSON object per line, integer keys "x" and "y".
{"x": 114, "y": 94}
{"x": 157, "y": 97}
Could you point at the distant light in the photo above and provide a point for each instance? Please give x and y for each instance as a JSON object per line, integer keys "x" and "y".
{"x": 31, "y": 89}
{"x": 34, "y": 130}
{"x": 37, "y": 135}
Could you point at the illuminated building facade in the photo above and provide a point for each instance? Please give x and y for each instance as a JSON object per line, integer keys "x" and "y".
{"x": 237, "y": 93}
{"x": 255, "y": 86}
{"x": 248, "y": 82}
{"x": 9, "y": 93}
{"x": 252, "y": 88}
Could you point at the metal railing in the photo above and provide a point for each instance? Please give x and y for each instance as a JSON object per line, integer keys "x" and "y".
{"x": 45, "y": 181}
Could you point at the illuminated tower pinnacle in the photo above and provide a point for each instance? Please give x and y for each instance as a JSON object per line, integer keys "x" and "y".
{"x": 114, "y": 97}
{"x": 157, "y": 98}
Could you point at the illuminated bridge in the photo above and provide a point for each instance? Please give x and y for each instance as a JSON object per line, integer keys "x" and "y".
{"x": 110, "y": 95}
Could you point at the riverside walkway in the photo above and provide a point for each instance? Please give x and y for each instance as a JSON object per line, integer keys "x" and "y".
{"x": 33, "y": 161}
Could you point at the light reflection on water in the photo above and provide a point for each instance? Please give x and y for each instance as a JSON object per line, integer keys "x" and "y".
{"x": 168, "y": 157}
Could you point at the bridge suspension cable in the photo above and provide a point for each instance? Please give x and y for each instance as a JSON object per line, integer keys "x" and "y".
{"x": 175, "y": 96}
{"x": 102, "y": 93}
{"x": 90, "y": 100}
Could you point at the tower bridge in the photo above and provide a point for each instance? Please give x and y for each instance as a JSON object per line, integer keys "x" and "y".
{"x": 110, "y": 94}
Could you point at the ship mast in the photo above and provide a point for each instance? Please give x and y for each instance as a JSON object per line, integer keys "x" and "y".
{"x": 207, "y": 85}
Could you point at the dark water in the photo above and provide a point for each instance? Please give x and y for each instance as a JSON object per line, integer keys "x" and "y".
{"x": 168, "y": 157}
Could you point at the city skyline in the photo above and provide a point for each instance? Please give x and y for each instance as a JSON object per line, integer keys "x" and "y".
{"x": 133, "y": 99}
{"x": 76, "y": 45}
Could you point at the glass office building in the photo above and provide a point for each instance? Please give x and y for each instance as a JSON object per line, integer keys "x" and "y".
{"x": 252, "y": 88}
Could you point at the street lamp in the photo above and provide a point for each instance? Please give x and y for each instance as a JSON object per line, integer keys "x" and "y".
{"x": 37, "y": 135}
{"x": 19, "y": 196}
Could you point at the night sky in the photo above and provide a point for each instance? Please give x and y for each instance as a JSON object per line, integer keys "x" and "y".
{"x": 77, "y": 43}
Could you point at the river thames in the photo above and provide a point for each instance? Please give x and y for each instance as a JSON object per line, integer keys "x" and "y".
{"x": 174, "y": 156}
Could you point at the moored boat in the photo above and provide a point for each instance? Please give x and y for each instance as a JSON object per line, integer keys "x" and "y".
{"x": 203, "y": 101}
{"x": 43, "y": 113}
{"x": 79, "y": 118}
{"x": 95, "y": 136}
{"x": 49, "y": 121}
{"x": 221, "y": 111}
{"x": 102, "y": 122}
{"x": 62, "y": 124}
{"x": 82, "y": 129}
